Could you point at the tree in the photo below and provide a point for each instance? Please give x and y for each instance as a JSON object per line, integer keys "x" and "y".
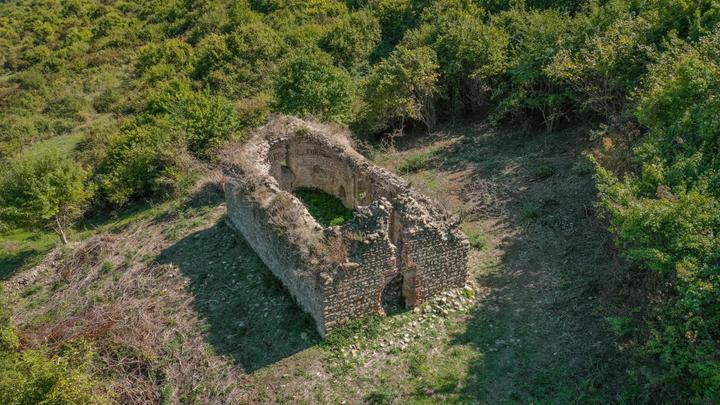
{"x": 353, "y": 39}
{"x": 144, "y": 160}
{"x": 49, "y": 191}
{"x": 400, "y": 87}
{"x": 309, "y": 85}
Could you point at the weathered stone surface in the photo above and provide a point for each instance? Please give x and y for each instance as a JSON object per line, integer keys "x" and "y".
{"x": 338, "y": 273}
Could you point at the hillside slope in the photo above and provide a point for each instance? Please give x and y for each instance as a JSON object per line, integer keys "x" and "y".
{"x": 180, "y": 309}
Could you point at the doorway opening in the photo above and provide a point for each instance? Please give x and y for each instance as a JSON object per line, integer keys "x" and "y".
{"x": 393, "y": 301}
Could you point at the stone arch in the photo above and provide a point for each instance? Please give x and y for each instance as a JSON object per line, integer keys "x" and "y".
{"x": 341, "y": 193}
{"x": 392, "y": 298}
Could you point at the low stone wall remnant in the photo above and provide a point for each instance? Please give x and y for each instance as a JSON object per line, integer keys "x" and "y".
{"x": 338, "y": 273}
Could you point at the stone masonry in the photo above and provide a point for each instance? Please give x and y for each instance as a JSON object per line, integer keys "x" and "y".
{"x": 338, "y": 273}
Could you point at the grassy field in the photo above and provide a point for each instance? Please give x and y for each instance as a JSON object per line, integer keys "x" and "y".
{"x": 180, "y": 309}
{"x": 60, "y": 144}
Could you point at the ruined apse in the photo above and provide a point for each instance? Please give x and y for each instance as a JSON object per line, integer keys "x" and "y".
{"x": 397, "y": 236}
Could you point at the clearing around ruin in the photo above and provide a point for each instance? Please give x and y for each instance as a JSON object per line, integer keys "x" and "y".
{"x": 182, "y": 309}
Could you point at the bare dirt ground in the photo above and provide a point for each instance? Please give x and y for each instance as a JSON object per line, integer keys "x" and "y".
{"x": 181, "y": 310}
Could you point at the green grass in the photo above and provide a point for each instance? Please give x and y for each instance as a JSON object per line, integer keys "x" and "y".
{"x": 20, "y": 248}
{"x": 328, "y": 210}
{"x": 475, "y": 236}
{"x": 417, "y": 161}
{"x": 531, "y": 210}
{"x": 544, "y": 172}
{"x": 61, "y": 144}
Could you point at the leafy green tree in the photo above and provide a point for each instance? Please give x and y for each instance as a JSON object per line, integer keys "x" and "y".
{"x": 397, "y": 17}
{"x": 471, "y": 53}
{"x": 353, "y": 39}
{"x": 204, "y": 120}
{"x": 208, "y": 121}
{"x": 309, "y": 85}
{"x": 173, "y": 52}
{"x": 212, "y": 55}
{"x": 48, "y": 191}
{"x": 399, "y": 88}
{"x": 607, "y": 67}
{"x": 144, "y": 160}
{"x": 667, "y": 218}
{"x": 528, "y": 94}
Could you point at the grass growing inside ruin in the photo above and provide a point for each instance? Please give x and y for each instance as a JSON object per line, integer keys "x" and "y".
{"x": 327, "y": 209}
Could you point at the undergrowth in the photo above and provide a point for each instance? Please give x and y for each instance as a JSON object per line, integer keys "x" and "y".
{"x": 417, "y": 161}
{"x": 41, "y": 375}
{"x": 328, "y": 210}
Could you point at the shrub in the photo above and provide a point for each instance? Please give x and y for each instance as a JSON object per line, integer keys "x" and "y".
{"x": 36, "y": 376}
{"x": 531, "y": 210}
{"x": 352, "y": 40}
{"x": 144, "y": 160}
{"x": 477, "y": 239}
{"x": 309, "y": 85}
{"x": 256, "y": 50}
{"x": 205, "y": 120}
{"x": 417, "y": 161}
{"x": 668, "y": 217}
{"x": 49, "y": 191}
{"x": 212, "y": 55}
{"x": 208, "y": 121}
{"x": 399, "y": 88}
{"x": 66, "y": 106}
{"x": 173, "y": 52}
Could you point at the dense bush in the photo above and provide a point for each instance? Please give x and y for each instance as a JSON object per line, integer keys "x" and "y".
{"x": 309, "y": 85}
{"x": 353, "y": 40}
{"x": 401, "y": 87}
{"x": 667, "y": 218}
{"x": 50, "y": 191}
{"x": 471, "y": 55}
{"x": 142, "y": 161}
{"x": 606, "y": 67}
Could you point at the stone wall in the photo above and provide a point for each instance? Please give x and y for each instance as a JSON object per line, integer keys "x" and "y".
{"x": 338, "y": 273}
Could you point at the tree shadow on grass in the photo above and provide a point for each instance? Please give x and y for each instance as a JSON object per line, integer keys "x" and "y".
{"x": 12, "y": 262}
{"x": 22, "y": 249}
{"x": 550, "y": 273}
{"x": 247, "y": 313}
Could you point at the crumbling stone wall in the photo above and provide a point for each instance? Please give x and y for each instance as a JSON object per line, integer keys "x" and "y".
{"x": 338, "y": 273}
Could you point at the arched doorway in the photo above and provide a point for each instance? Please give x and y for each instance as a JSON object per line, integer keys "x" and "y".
{"x": 341, "y": 193}
{"x": 392, "y": 299}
